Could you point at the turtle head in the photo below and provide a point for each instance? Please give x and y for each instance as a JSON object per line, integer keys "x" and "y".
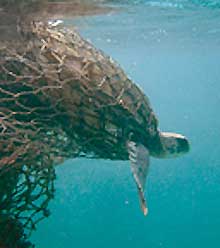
{"x": 174, "y": 145}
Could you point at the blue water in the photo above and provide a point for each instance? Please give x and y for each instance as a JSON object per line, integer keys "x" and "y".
{"x": 172, "y": 50}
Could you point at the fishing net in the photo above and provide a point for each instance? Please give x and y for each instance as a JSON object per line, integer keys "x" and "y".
{"x": 33, "y": 121}
{"x": 59, "y": 98}
{"x": 32, "y": 139}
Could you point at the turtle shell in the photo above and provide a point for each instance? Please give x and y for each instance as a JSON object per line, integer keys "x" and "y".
{"x": 68, "y": 85}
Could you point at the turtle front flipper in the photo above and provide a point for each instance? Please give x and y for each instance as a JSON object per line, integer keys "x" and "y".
{"x": 139, "y": 158}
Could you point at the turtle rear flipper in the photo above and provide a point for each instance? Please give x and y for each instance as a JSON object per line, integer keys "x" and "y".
{"x": 139, "y": 158}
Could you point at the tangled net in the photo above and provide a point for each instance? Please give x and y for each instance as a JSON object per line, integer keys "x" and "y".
{"x": 32, "y": 140}
{"x": 41, "y": 102}
{"x": 45, "y": 91}
{"x": 59, "y": 98}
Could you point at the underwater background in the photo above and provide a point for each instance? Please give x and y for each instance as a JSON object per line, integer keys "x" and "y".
{"x": 171, "y": 49}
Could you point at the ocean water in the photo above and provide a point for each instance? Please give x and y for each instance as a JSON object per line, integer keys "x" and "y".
{"x": 171, "y": 49}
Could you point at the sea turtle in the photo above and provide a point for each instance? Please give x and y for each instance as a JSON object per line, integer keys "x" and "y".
{"x": 116, "y": 115}
{"x": 103, "y": 111}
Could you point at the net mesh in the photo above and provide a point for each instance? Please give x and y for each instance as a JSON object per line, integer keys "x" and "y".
{"x": 32, "y": 140}
{"x": 59, "y": 98}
